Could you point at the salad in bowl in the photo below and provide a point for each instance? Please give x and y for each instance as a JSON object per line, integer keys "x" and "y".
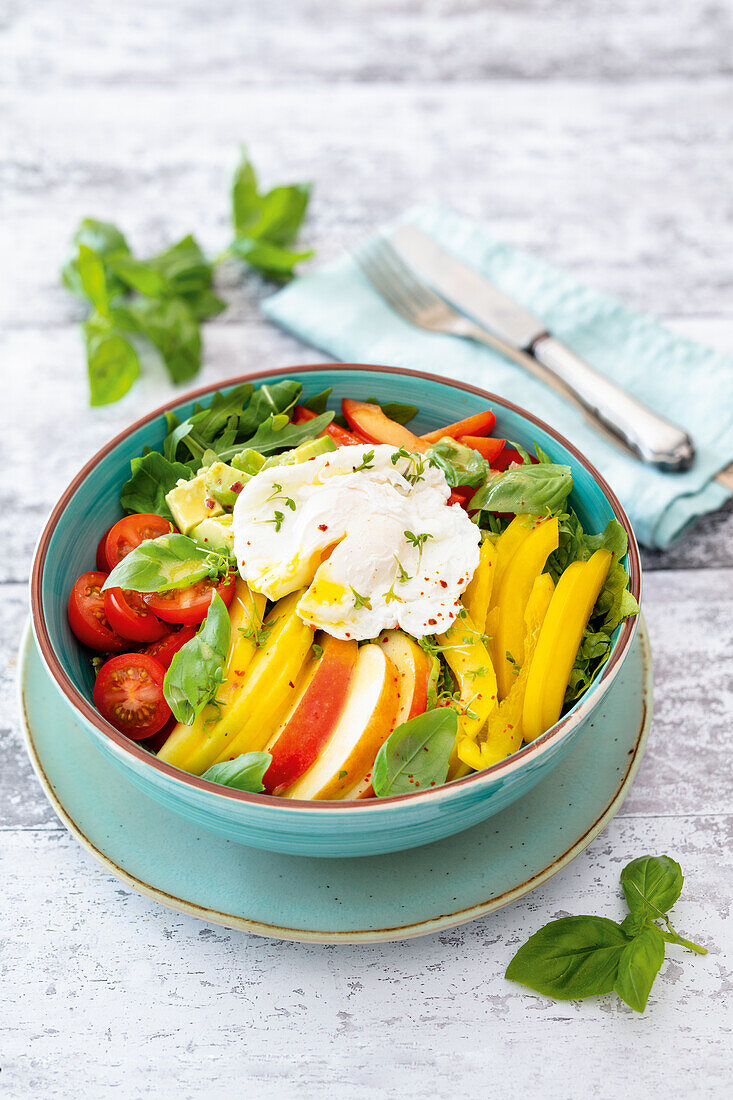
{"x": 325, "y": 604}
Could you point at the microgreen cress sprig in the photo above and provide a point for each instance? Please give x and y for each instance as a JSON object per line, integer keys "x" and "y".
{"x": 577, "y": 957}
{"x": 257, "y": 629}
{"x": 366, "y": 463}
{"x": 361, "y": 601}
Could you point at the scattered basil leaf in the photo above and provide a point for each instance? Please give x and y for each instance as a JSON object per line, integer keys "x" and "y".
{"x": 152, "y": 477}
{"x": 244, "y": 773}
{"x": 638, "y": 966}
{"x": 416, "y": 755}
{"x": 112, "y": 362}
{"x": 170, "y": 325}
{"x": 265, "y": 224}
{"x": 165, "y": 563}
{"x": 651, "y": 885}
{"x": 461, "y": 465}
{"x": 184, "y": 268}
{"x": 570, "y": 958}
{"x": 535, "y": 490}
{"x": 105, "y": 241}
{"x": 197, "y": 669}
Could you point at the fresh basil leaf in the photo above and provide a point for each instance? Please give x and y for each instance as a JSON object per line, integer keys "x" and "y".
{"x": 101, "y": 238}
{"x": 205, "y": 304}
{"x": 638, "y": 967}
{"x": 317, "y": 403}
{"x": 183, "y": 267}
{"x": 112, "y": 362}
{"x": 170, "y": 325}
{"x": 534, "y": 490}
{"x": 167, "y": 562}
{"x": 275, "y": 216}
{"x": 416, "y": 755}
{"x": 272, "y": 260}
{"x": 93, "y": 279}
{"x": 244, "y": 773}
{"x": 278, "y": 433}
{"x": 197, "y": 669}
{"x": 461, "y": 465}
{"x": 570, "y": 958}
{"x": 139, "y": 275}
{"x": 152, "y": 477}
{"x": 651, "y": 885}
{"x": 395, "y": 410}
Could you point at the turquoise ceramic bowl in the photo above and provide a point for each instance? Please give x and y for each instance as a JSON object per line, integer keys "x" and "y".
{"x": 91, "y": 504}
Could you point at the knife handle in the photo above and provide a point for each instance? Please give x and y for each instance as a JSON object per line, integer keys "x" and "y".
{"x": 648, "y": 436}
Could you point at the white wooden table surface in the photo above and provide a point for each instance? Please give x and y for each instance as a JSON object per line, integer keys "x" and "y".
{"x": 597, "y": 134}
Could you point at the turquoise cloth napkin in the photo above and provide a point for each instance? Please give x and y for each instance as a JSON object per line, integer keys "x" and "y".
{"x": 336, "y": 309}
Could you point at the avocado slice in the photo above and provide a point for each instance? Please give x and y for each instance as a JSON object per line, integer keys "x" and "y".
{"x": 216, "y": 533}
{"x": 190, "y": 503}
{"x": 312, "y": 449}
{"x": 224, "y": 483}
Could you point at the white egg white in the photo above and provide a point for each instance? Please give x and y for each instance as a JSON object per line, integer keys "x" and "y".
{"x": 377, "y": 546}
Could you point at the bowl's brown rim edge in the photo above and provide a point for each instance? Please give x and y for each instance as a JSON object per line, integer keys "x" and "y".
{"x": 555, "y": 733}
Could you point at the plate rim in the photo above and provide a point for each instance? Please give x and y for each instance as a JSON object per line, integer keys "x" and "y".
{"x": 382, "y": 935}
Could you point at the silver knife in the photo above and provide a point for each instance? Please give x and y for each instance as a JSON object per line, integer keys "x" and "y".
{"x": 518, "y": 334}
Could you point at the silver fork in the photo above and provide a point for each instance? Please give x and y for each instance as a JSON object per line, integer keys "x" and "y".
{"x": 419, "y": 305}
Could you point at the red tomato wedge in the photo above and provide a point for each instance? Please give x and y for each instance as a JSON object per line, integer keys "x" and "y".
{"x": 166, "y": 649}
{"x": 131, "y": 617}
{"x": 507, "y": 456}
{"x": 458, "y": 496}
{"x": 339, "y": 435}
{"x": 479, "y": 424}
{"x": 370, "y": 422}
{"x": 87, "y": 617}
{"x": 128, "y": 692}
{"x": 189, "y": 605}
{"x": 486, "y": 446}
{"x": 129, "y": 532}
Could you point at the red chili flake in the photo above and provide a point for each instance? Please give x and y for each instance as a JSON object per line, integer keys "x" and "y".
{"x": 347, "y": 634}
{"x": 432, "y": 622}
{"x": 236, "y": 487}
{"x": 239, "y": 672}
{"x": 425, "y": 748}
{"x": 290, "y": 682}
{"x": 444, "y": 584}
{"x": 322, "y": 526}
{"x": 210, "y": 503}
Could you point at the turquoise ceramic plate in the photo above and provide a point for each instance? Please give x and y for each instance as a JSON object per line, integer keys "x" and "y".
{"x": 388, "y": 897}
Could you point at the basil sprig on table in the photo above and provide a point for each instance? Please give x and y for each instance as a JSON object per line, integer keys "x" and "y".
{"x": 416, "y": 755}
{"x": 577, "y": 957}
{"x": 197, "y": 669}
{"x": 244, "y": 773}
{"x": 168, "y": 562}
{"x": 155, "y": 305}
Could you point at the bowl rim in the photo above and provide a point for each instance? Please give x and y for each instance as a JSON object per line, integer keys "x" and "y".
{"x": 547, "y": 740}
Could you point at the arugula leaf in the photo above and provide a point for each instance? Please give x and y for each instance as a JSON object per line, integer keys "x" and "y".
{"x": 416, "y": 755}
{"x": 244, "y": 773}
{"x": 651, "y": 884}
{"x": 570, "y": 958}
{"x": 534, "y": 490}
{"x": 265, "y": 224}
{"x": 395, "y": 410}
{"x": 112, "y": 362}
{"x": 278, "y": 433}
{"x": 461, "y": 465}
{"x": 638, "y": 967}
{"x": 168, "y": 562}
{"x": 197, "y": 669}
{"x": 268, "y": 400}
{"x": 317, "y": 403}
{"x": 153, "y": 476}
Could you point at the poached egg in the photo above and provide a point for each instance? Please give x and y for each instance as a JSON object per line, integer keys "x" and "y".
{"x": 367, "y": 531}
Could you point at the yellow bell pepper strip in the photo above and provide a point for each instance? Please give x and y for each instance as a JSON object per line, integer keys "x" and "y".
{"x": 245, "y": 614}
{"x": 560, "y": 637}
{"x": 502, "y": 734}
{"x": 507, "y": 545}
{"x": 477, "y": 596}
{"x": 516, "y": 584}
{"x": 469, "y": 660}
{"x": 270, "y": 688}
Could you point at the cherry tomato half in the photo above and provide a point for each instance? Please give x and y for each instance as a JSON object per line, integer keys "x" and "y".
{"x": 129, "y": 532}
{"x": 102, "y": 563}
{"x": 87, "y": 617}
{"x": 166, "y": 649}
{"x": 189, "y": 605}
{"x": 128, "y": 692}
{"x": 130, "y": 616}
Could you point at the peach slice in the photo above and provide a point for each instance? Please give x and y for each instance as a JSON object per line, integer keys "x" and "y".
{"x": 309, "y": 726}
{"x": 371, "y": 422}
{"x": 366, "y": 722}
